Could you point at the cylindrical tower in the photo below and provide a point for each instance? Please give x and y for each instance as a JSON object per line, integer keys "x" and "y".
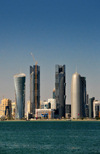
{"x": 19, "y": 82}
{"x": 75, "y": 96}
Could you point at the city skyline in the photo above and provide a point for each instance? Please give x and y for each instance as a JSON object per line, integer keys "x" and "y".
{"x": 58, "y": 32}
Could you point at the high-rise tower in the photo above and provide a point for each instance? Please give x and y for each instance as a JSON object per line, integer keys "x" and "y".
{"x": 19, "y": 82}
{"x": 75, "y": 96}
{"x": 83, "y": 96}
{"x": 78, "y": 96}
{"x": 34, "y": 88}
{"x": 60, "y": 90}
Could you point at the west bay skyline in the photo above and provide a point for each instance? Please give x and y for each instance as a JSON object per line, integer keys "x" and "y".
{"x": 56, "y": 32}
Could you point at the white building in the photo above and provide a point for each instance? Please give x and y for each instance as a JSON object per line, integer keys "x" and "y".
{"x": 52, "y": 103}
{"x": 96, "y": 108}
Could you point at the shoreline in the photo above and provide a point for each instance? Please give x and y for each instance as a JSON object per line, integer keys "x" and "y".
{"x": 50, "y": 120}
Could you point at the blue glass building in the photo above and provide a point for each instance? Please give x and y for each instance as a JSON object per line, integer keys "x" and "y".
{"x": 34, "y": 88}
{"x": 19, "y": 82}
{"x": 83, "y": 96}
{"x": 91, "y": 107}
{"x": 60, "y": 90}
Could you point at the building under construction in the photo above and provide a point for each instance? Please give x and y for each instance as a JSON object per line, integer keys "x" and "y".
{"x": 34, "y": 88}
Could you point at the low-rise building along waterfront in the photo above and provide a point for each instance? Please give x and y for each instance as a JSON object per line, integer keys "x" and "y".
{"x": 44, "y": 113}
{"x": 6, "y": 108}
{"x": 13, "y": 109}
{"x": 96, "y": 109}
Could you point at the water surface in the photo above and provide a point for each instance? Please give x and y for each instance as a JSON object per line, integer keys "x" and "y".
{"x": 58, "y": 137}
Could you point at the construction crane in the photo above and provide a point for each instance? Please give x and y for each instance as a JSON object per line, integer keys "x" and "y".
{"x": 34, "y": 59}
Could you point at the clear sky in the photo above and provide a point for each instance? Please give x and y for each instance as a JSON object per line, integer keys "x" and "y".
{"x": 56, "y": 32}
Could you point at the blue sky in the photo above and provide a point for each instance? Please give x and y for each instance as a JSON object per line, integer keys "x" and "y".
{"x": 56, "y": 32}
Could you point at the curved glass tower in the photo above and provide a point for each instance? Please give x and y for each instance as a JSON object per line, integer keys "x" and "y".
{"x": 19, "y": 82}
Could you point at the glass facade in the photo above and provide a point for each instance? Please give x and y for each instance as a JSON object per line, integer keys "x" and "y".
{"x": 60, "y": 87}
{"x": 19, "y": 82}
{"x": 83, "y": 97}
{"x": 34, "y": 88}
{"x": 91, "y": 107}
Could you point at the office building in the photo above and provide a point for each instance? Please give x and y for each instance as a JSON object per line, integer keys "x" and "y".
{"x": 87, "y": 99}
{"x": 68, "y": 111}
{"x": 19, "y": 82}
{"x": 91, "y": 107}
{"x": 87, "y": 110}
{"x": 96, "y": 109}
{"x": 60, "y": 90}
{"x": 44, "y": 104}
{"x": 34, "y": 88}
{"x": 52, "y": 103}
{"x": 54, "y": 96}
{"x": 78, "y": 96}
{"x": 13, "y": 109}
{"x": 6, "y": 108}
{"x": 75, "y": 96}
{"x": 83, "y": 96}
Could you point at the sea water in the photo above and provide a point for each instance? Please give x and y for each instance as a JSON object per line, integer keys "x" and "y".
{"x": 57, "y": 137}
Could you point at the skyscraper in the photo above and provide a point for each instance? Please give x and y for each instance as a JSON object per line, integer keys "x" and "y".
{"x": 75, "y": 96}
{"x": 83, "y": 96}
{"x": 91, "y": 107}
{"x": 60, "y": 90}
{"x": 34, "y": 88}
{"x": 78, "y": 96}
{"x": 19, "y": 82}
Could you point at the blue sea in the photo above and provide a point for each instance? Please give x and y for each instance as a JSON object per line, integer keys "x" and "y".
{"x": 57, "y": 137}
